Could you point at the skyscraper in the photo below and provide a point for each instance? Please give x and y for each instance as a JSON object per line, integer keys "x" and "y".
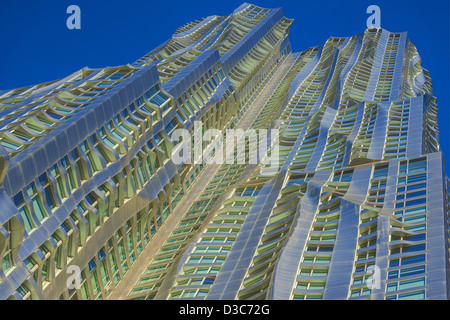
{"x": 348, "y": 201}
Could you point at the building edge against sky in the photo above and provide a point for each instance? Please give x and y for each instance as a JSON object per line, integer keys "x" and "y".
{"x": 359, "y": 192}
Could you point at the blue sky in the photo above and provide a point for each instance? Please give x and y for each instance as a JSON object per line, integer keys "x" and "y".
{"x": 37, "y": 46}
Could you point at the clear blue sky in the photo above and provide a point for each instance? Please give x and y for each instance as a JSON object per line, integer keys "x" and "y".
{"x": 36, "y": 45}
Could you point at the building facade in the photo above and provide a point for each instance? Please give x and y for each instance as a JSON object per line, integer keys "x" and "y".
{"x": 349, "y": 201}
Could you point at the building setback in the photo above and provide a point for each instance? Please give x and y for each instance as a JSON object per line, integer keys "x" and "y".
{"x": 351, "y": 201}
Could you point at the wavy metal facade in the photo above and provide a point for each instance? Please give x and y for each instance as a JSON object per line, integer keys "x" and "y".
{"x": 358, "y": 192}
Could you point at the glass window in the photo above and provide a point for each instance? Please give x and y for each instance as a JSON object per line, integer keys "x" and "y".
{"x": 37, "y": 207}
{"x": 412, "y": 295}
{"x": 7, "y": 261}
{"x": 27, "y": 219}
{"x": 411, "y": 283}
{"x": 412, "y": 271}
